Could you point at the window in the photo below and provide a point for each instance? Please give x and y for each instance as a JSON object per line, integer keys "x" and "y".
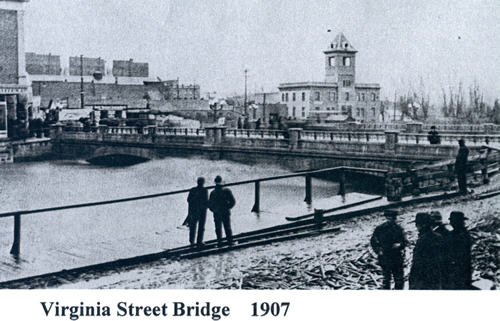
{"x": 373, "y": 112}
{"x": 357, "y": 112}
{"x": 317, "y": 107}
{"x": 333, "y": 96}
{"x": 363, "y": 112}
{"x": 328, "y": 95}
{"x": 331, "y": 61}
{"x": 373, "y": 97}
{"x": 347, "y": 61}
{"x": 286, "y": 96}
{"x": 303, "y": 96}
{"x": 293, "y": 97}
{"x": 317, "y": 96}
{"x": 347, "y": 96}
{"x": 346, "y": 83}
{"x": 358, "y": 96}
{"x": 293, "y": 111}
{"x": 303, "y": 111}
{"x": 282, "y": 97}
{"x": 363, "y": 97}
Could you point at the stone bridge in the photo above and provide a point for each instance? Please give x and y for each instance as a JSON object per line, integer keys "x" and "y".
{"x": 294, "y": 149}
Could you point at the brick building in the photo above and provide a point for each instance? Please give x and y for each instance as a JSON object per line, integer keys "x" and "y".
{"x": 13, "y": 82}
{"x": 43, "y": 64}
{"x": 339, "y": 96}
{"x": 129, "y": 68}
{"x": 86, "y": 66}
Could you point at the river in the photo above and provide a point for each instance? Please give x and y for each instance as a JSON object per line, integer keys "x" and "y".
{"x": 52, "y": 241}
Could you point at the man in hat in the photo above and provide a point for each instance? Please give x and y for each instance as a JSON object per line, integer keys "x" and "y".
{"x": 461, "y": 166}
{"x": 221, "y": 202}
{"x": 389, "y": 242}
{"x": 433, "y": 136}
{"x": 425, "y": 273}
{"x": 460, "y": 245}
{"x": 440, "y": 228}
{"x": 197, "y": 212}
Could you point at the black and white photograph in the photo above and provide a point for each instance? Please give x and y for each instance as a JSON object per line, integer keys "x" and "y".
{"x": 233, "y": 160}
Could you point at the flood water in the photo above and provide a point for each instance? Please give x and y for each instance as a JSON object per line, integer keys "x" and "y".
{"x": 52, "y": 241}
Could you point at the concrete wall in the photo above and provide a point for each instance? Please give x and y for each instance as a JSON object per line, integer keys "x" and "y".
{"x": 32, "y": 150}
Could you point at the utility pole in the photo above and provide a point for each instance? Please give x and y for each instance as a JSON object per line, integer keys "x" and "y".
{"x": 245, "y": 104}
{"x": 394, "y": 119}
{"x": 264, "y": 111}
{"x": 82, "y": 98}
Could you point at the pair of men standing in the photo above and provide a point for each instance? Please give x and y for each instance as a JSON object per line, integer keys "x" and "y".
{"x": 441, "y": 259}
{"x": 221, "y": 202}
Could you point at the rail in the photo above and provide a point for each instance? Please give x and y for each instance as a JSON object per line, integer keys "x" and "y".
{"x": 305, "y": 135}
{"x": 16, "y": 247}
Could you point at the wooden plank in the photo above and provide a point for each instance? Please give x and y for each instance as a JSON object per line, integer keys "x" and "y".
{"x": 297, "y": 218}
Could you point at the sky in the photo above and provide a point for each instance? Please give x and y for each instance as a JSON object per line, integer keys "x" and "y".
{"x": 400, "y": 44}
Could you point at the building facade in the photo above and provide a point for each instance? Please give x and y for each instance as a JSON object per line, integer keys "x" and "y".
{"x": 43, "y": 64}
{"x": 13, "y": 81}
{"x": 339, "y": 97}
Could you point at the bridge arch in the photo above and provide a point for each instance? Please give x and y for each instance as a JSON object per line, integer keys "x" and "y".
{"x": 121, "y": 156}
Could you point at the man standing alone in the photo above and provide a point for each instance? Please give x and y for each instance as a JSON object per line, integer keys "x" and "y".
{"x": 461, "y": 166}
{"x": 197, "y": 211}
{"x": 220, "y": 203}
{"x": 388, "y": 242}
{"x": 460, "y": 243}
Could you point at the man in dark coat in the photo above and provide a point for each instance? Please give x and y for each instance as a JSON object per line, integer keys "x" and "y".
{"x": 461, "y": 166}
{"x": 425, "y": 273}
{"x": 433, "y": 136}
{"x": 460, "y": 242}
{"x": 440, "y": 228}
{"x": 197, "y": 212}
{"x": 388, "y": 241}
{"x": 220, "y": 203}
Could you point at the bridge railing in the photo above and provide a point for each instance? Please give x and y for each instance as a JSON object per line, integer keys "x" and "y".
{"x": 256, "y": 133}
{"x": 16, "y": 246}
{"x": 450, "y": 139}
{"x": 343, "y": 136}
{"x": 180, "y": 131}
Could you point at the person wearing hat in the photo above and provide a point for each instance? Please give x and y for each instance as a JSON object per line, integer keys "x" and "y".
{"x": 461, "y": 166}
{"x": 433, "y": 136}
{"x": 460, "y": 247}
{"x": 440, "y": 228}
{"x": 389, "y": 242}
{"x": 221, "y": 202}
{"x": 426, "y": 269}
{"x": 197, "y": 212}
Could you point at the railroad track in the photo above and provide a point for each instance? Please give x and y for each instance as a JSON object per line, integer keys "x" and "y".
{"x": 261, "y": 237}
{"x": 290, "y": 231}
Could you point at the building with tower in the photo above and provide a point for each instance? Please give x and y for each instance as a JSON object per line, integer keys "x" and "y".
{"x": 339, "y": 97}
{"x": 13, "y": 81}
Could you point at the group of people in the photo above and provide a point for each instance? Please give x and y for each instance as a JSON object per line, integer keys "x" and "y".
{"x": 220, "y": 203}
{"x": 441, "y": 258}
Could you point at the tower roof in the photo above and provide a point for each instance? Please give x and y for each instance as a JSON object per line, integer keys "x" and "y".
{"x": 340, "y": 44}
